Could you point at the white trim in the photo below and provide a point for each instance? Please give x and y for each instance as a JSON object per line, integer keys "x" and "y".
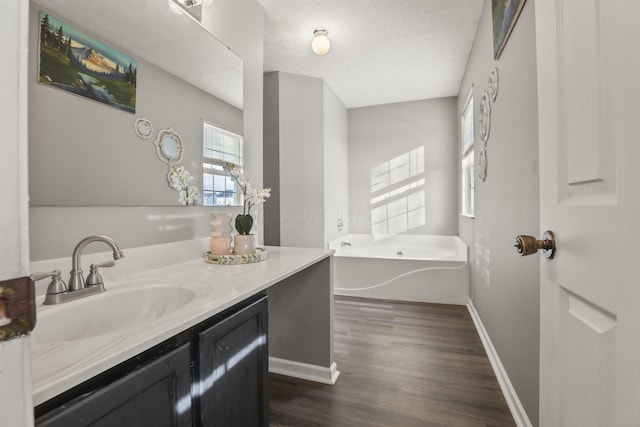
{"x": 222, "y": 128}
{"x": 304, "y": 371}
{"x": 515, "y": 406}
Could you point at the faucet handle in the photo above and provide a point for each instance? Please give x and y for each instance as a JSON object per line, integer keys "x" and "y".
{"x": 102, "y": 264}
{"x": 94, "y": 278}
{"x": 56, "y": 286}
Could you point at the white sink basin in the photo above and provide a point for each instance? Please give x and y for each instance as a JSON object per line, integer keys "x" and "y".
{"x": 114, "y": 310}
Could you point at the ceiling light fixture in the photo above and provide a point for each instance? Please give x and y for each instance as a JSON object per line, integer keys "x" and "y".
{"x": 320, "y": 43}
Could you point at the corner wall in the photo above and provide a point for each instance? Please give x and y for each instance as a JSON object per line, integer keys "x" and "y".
{"x": 336, "y": 167}
{"x": 301, "y": 143}
{"x": 306, "y": 127}
{"x": 505, "y": 286}
{"x": 271, "y": 146}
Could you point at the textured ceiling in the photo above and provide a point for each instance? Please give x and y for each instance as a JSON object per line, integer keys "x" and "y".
{"x": 382, "y": 51}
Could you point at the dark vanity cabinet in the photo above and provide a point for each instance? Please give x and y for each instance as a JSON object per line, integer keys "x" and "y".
{"x": 149, "y": 395}
{"x": 231, "y": 370}
{"x": 214, "y": 374}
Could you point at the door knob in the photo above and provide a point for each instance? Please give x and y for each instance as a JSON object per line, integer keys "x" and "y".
{"x": 527, "y": 245}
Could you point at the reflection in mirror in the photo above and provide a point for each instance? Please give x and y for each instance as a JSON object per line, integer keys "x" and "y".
{"x": 169, "y": 146}
{"x": 184, "y": 75}
{"x": 221, "y": 148}
{"x": 143, "y": 128}
{"x": 149, "y": 30}
{"x": 192, "y": 7}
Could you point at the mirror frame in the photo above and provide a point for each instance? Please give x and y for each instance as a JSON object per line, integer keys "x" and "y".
{"x": 160, "y": 147}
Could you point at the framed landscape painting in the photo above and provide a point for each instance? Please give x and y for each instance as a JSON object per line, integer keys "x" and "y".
{"x": 505, "y": 14}
{"x": 74, "y": 62}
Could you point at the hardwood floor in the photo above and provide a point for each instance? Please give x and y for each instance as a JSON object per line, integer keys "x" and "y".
{"x": 402, "y": 364}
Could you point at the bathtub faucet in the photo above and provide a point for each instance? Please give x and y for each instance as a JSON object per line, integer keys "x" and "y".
{"x": 343, "y": 244}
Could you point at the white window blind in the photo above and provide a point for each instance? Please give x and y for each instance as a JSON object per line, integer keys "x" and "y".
{"x": 467, "y": 181}
{"x": 219, "y": 147}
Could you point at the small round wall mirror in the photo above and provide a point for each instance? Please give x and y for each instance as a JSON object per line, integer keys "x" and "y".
{"x": 169, "y": 146}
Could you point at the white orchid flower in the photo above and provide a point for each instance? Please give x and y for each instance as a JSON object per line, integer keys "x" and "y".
{"x": 252, "y": 197}
{"x": 264, "y": 194}
{"x": 175, "y": 181}
{"x": 175, "y": 184}
{"x": 237, "y": 172}
{"x": 179, "y": 180}
{"x": 182, "y": 197}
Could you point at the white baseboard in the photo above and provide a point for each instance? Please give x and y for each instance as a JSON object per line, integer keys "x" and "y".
{"x": 290, "y": 368}
{"x": 515, "y": 406}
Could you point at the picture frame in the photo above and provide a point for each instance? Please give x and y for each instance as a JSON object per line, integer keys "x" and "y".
{"x": 72, "y": 61}
{"x": 505, "y": 13}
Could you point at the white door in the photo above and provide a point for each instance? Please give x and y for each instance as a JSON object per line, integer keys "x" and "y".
{"x": 16, "y": 404}
{"x": 589, "y": 111}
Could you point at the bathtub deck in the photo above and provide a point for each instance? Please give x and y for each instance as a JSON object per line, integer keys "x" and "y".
{"x": 401, "y": 364}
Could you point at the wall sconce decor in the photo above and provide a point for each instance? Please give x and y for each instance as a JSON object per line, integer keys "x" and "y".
{"x": 488, "y": 96}
{"x": 492, "y": 88}
{"x": 143, "y": 128}
{"x": 485, "y": 117}
{"x": 320, "y": 43}
{"x": 169, "y": 146}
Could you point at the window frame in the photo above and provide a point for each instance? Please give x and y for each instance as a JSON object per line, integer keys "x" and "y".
{"x": 217, "y": 166}
{"x": 467, "y": 159}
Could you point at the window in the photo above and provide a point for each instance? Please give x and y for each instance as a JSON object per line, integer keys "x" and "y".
{"x": 219, "y": 147}
{"x": 468, "y": 169}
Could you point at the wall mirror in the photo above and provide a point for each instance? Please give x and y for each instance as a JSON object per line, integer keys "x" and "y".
{"x": 169, "y": 146}
{"x": 184, "y": 76}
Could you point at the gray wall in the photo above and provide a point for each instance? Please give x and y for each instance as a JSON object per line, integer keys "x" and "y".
{"x": 505, "y": 287}
{"x": 336, "y": 165}
{"x": 307, "y": 128}
{"x": 380, "y": 133}
{"x": 300, "y": 331}
{"x": 271, "y": 146}
{"x": 55, "y": 231}
{"x": 301, "y": 161}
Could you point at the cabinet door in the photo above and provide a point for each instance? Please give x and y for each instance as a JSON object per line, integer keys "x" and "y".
{"x": 231, "y": 370}
{"x": 157, "y": 394}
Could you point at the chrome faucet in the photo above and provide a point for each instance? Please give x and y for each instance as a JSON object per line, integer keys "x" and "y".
{"x": 58, "y": 292}
{"x": 76, "y": 281}
{"x": 343, "y": 244}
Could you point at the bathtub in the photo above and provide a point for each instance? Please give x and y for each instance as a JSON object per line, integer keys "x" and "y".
{"x": 402, "y": 268}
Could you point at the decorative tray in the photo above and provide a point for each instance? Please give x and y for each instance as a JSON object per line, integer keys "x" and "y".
{"x": 259, "y": 255}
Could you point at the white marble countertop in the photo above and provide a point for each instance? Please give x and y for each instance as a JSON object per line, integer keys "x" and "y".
{"x": 57, "y": 367}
